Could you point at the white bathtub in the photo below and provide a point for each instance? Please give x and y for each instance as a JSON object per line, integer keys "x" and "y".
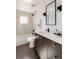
{"x": 22, "y": 39}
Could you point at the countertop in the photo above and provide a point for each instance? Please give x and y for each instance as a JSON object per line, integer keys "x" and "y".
{"x": 50, "y": 36}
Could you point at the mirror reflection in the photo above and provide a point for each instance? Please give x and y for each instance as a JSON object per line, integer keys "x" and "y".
{"x": 50, "y": 10}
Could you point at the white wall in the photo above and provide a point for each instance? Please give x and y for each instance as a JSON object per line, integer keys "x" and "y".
{"x": 40, "y": 9}
{"x": 24, "y": 28}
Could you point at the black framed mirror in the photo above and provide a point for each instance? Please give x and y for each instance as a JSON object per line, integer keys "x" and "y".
{"x": 51, "y": 13}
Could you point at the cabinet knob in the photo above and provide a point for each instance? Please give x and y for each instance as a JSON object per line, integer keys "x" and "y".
{"x": 54, "y": 57}
{"x": 54, "y": 45}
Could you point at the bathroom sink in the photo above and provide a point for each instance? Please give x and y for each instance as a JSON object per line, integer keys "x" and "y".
{"x": 59, "y": 34}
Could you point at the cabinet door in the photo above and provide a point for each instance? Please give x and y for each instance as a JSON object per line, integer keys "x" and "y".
{"x": 54, "y": 50}
{"x": 47, "y": 49}
{"x": 41, "y": 47}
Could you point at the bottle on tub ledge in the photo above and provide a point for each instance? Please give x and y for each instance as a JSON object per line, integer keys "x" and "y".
{"x": 33, "y": 32}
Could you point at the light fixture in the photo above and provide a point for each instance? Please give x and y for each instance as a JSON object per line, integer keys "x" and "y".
{"x": 28, "y": 1}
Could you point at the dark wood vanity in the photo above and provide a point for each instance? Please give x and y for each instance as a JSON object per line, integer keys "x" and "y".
{"x": 47, "y": 49}
{"x": 49, "y": 45}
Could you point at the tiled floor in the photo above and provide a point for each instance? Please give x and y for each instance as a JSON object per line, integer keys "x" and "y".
{"x": 24, "y": 52}
{"x": 44, "y": 49}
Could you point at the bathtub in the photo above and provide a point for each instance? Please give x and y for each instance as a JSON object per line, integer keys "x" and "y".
{"x": 22, "y": 39}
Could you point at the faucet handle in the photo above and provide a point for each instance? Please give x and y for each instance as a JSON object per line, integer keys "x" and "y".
{"x": 48, "y": 30}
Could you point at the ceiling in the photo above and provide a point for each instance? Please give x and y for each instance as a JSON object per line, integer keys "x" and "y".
{"x": 24, "y": 5}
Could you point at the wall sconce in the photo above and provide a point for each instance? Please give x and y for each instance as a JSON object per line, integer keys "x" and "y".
{"x": 44, "y": 14}
{"x": 59, "y": 8}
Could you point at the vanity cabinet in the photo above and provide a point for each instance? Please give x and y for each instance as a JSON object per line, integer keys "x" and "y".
{"x": 41, "y": 47}
{"x": 54, "y": 50}
{"x": 47, "y": 49}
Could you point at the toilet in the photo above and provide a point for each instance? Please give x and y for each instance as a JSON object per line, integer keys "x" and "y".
{"x": 31, "y": 41}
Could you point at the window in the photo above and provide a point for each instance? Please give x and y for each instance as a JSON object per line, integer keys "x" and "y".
{"x": 23, "y": 20}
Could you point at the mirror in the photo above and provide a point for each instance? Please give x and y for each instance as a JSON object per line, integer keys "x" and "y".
{"x": 51, "y": 13}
